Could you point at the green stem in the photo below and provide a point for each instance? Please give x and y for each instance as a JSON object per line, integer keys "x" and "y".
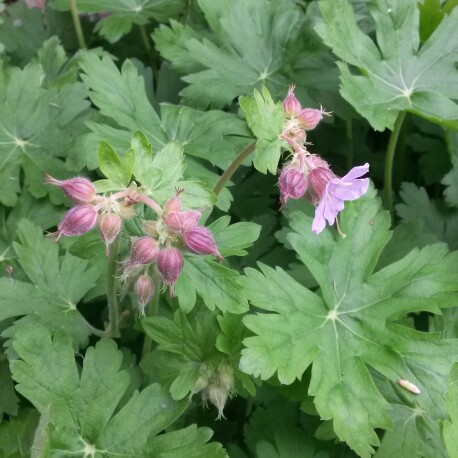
{"x": 226, "y": 176}
{"x": 390, "y": 160}
{"x": 97, "y": 332}
{"x": 349, "y": 132}
{"x": 146, "y": 42}
{"x": 151, "y": 310}
{"x": 113, "y": 311}
{"x": 77, "y": 24}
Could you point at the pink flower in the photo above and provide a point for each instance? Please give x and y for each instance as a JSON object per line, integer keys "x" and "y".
{"x": 291, "y": 106}
{"x": 200, "y": 240}
{"x": 180, "y": 221}
{"x": 77, "y": 221}
{"x": 144, "y": 289}
{"x": 338, "y": 190}
{"x": 170, "y": 264}
{"x": 79, "y": 190}
{"x": 292, "y": 184}
{"x": 109, "y": 226}
{"x": 310, "y": 117}
{"x": 145, "y": 250}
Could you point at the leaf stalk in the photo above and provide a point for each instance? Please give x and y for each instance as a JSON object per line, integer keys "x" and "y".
{"x": 77, "y": 25}
{"x": 113, "y": 310}
{"x": 233, "y": 166}
{"x": 390, "y": 160}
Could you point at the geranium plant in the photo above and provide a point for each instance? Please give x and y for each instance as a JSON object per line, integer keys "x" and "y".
{"x": 228, "y": 228}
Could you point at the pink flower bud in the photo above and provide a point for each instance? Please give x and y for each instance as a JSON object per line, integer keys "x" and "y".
{"x": 310, "y": 117}
{"x": 144, "y": 289}
{"x": 109, "y": 227}
{"x": 78, "y": 220}
{"x": 79, "y": 190}
{"x": 200, "y": 240}
{"x": 145, "y": 250}
{"x": 41, "y": 4}
{"x": 317, "y": 161}
{"x": 292, "y": 184}
{"x": 291, "y": 106}
{"x": 170, "y": 264}
{"x": 182, "y": 221}
{"x": 173, "y": 205}
{"x": 318, "y": 179}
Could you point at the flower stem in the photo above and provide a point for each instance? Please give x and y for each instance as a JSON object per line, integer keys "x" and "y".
{"x": 152, "y": 311}
{"x": 235, "y": 164}
{"x": 77, "y": 24}
{"x": 113, "y": 311}
{"x": 390, "y": 160}
{"x": 151, "y": 203}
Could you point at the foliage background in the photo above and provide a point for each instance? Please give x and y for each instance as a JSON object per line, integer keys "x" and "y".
{"x": 308, "y": 382}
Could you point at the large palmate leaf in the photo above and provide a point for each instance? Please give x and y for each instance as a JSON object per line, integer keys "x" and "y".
{"x": 350, "y": 324}
{"x": 450, "y": 427}
{"x": 86, "y": 414}
{"x": 395, "y": 73}
{"x": 56, "y": 285}
{"x": 254, "y": 45}
{"x": 37, "y": 128}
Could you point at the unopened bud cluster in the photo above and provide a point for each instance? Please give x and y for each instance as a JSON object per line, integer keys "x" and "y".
{"x": 216, "y": 384}
{"x": 308, "y": 175}
{"x": 159, "y": 250}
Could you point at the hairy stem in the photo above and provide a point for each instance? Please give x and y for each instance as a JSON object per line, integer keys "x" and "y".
{"x": 77, "y": 24}
{"x": 235, "y": 164}
{"x": 390, "y": 160}
{"x": 113, "y": 310}
{"x": 151, "y": 310}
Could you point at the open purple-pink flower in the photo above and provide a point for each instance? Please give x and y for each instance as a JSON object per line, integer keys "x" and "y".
{"x": 338, "y": 190}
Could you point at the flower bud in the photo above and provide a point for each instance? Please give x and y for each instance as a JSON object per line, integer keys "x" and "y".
{"x": 144, "y": 289}
{"x": 182, "y": 221}
{"x": 109, "y": 227}
{"x": 145, "y": 250}
{"x": 318, "y": 179}
{"x": 200, "y": 240}
{"x": 310, "y": 117}
{"x": 78, "y": 220}
{"x": 218, "y": 395}
{"x": 292, "y": 184}
{"x": 291, "y": 106}
{"x": 79, "y": 190}
{"x": 170, "y": 263}
{"x": 316, "y": 161}
{"x": 173, "y": 205}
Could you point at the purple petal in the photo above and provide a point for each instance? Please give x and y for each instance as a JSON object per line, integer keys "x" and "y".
{"x": 356, "y": 172}
{"x": 318, "y": 221}
{"x": 332, "y": 207}
{"x": 351, "y": 190}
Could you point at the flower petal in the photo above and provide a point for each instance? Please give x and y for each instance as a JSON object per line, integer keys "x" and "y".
{"x": 351, "y": 190}
{"x": 318, "y": 221}
{"x": 356, "y": 172}
{"x": 332, "y": 207}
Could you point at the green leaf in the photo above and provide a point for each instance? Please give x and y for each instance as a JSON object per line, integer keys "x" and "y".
{"x": 16, "y": 435}
{"x": 217, "y": 285}
{"x": 37, "y": 129}
{"x": 451, "y": 179}
{"x": 161, "y": 175}
{"x": 232, "y": 240}
{"x": 396, "y": 74}
{"x": 265, "y": 118}
{"x": 124, "y": 13}
{"x": 9, "y": 402}
{"x": 427, "y": 215}
{"x": 85, "y": 414}
{"x": 57, "y": 285}
{"x": 119, "y": 173}
{"x": 350, "y": 322}
{"x": 253, "y": 43}
{"x": 450, "y": 427}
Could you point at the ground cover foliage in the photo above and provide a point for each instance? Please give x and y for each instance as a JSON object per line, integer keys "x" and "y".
{"x": 177, "y": 303}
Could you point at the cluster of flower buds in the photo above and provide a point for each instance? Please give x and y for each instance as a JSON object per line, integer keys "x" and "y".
{"x": 161, "y": 247}
{"x": 216, "y": 384}
{"x": 307, "y": 175}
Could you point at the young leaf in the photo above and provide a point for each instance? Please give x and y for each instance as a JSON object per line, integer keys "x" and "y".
{"x": 119, "y": 173}
{"x": 218, "y": 286}
{"x": 265, "y": 119}
{"x": 85, "y": 414}
{"x": 351, "y": 323}
{"x": 396, "y": 74}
